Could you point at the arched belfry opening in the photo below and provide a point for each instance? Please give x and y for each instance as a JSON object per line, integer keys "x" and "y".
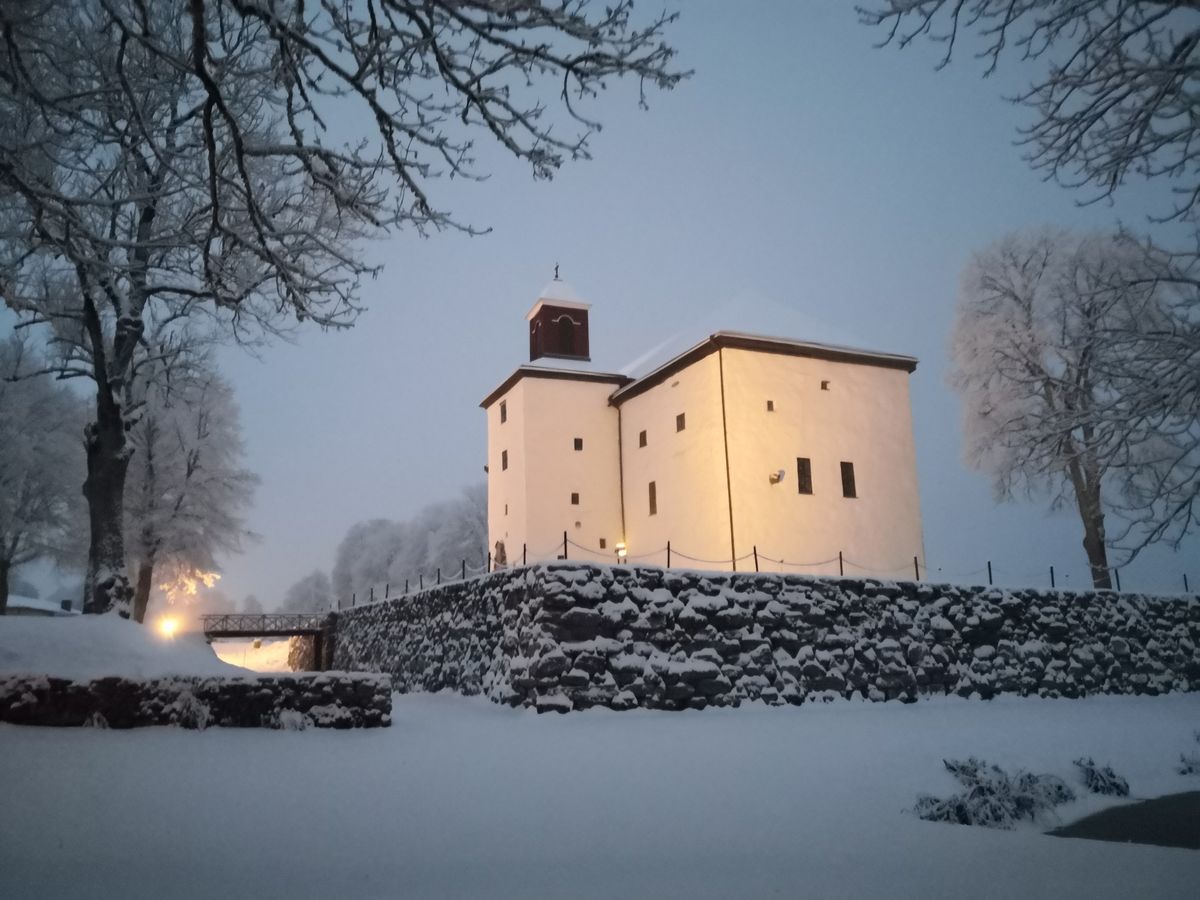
{"x": 558, "y": 324}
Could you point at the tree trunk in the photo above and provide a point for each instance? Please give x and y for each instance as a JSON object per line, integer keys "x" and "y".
{"x": 3, "y": 589}
{"x": 107, "y": 587}
{"x": 141, "y": 597}
{"x": 1092, "y": 515}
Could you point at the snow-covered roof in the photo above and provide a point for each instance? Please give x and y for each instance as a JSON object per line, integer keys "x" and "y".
{"x": 558, "y": 293}
{"x": 762, "y": 343}
{"x": 17, "y": 601}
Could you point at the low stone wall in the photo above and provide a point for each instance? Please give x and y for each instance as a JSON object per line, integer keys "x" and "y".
{"x": 568, "y": 636}
{"x": 325, "y": 700}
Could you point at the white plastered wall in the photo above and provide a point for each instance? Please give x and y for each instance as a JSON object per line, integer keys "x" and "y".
{"x": 545, "y": 416}
{"x": 687, "y": 467}
{"x": 864, "y": 418}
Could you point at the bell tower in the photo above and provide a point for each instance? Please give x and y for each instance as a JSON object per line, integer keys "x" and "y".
{"x": 558, "y": 324}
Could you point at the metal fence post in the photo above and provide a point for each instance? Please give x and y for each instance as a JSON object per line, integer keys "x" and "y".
{"x": 464, "y": 570}
{"x": 564, "y": 545}
{"x": 989, "y": 572}
{"x": 669, "y": 564}
{"x": 916, "y": 570}
{"x": 439, "y": 575}
{"x": 1117, "y": 572}
{"x": 841, "y": 565}
{"x": 1052, "y": 576}
{"x": 523, "y": 549}
{"x": 756, "y": 557}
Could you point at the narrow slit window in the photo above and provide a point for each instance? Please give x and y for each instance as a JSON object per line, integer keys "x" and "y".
{"x": 578, "y": 443}
{"x": 574, "y": 499}
{"x": 770, "y": 406}
{"x": 680, "y": 422}
{"x": 848, "y": 489}
{"x": 804, "y": 474}
{"x": 503, "y": 411}
{"x": 653, "y": 499}
{"x": 503, "y": 459}
{"x": 603, "y": 544}
{"x": 641, "y": 438}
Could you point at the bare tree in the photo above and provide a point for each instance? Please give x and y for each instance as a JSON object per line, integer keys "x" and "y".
{"x": 41, "y": 463}
{"x": 168, "y": 160}
{"x": 1045, "y": 355}
{"x": 312, "y": 593}
{"x": 186, "y": 491}
{"x": 1118, "y": 89}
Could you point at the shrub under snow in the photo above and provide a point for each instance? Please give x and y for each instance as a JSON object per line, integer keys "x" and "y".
{"x": 1102, "y": 779}
{"x": 992, "y": 798}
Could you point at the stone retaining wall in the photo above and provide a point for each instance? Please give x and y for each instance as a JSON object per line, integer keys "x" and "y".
{"x": 325, "y": 700}
{"x": 568, "y": 636}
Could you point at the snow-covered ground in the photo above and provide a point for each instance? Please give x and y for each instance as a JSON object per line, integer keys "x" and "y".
{"x": 83, "y": 647}
{"x": 269, "y": 656}
{"x": 461, "y": 798}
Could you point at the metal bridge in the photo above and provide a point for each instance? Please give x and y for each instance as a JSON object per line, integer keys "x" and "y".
{"x": 259, "y": 625}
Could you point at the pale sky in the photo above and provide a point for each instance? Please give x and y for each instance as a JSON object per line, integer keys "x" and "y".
{"x": 801, "y": 183}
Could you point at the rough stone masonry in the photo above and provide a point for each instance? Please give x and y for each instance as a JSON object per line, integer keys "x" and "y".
{"x": 563, "y": 636}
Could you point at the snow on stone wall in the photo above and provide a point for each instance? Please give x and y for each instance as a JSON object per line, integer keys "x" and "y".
{"x": 321, "y": 700}
{"x": 569, "y": 636}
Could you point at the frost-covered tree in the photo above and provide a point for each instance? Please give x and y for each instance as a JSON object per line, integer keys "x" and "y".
{"x": 441, "y": 536}
{"x": 1045, "y": 353}
{"x": 312, "y": 593}
{"x": 186, "y": 491}
{"x": 1117, "y": 90}
{"x": 221, "y": 158}
{"x": 41, "y": 464}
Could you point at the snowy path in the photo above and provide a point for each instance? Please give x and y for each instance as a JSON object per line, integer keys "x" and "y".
{"x": 464, "y": 799}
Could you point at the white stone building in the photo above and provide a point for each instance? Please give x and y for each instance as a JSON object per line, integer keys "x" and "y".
{"x": 742, "y": 444}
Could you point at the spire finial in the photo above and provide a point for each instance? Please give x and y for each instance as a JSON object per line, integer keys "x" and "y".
{"x": 556, "y": 271}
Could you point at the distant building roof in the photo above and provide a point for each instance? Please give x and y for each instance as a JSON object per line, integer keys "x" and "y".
{"x": 37, "y": 605}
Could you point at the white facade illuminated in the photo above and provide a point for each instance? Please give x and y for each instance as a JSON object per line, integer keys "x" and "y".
{"x": 798, "y": 450}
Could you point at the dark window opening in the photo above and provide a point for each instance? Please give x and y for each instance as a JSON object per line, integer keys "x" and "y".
{"x": 824, "y": 385}
{"x": 603, "y": 544}
{"x": 503, "y": 459}
{"x": 506, "y": 509}
{"x": 641, "y": 439}
{"x": 578, "y": 443}
{"x": 503, "y": 411}
{"x": 680, "y": 422}
{"x": 574, "y": 499}
{"x": 804, "y": 474}
{"x": 566, "y": 336}
{"x": 770, "y": 406}
{"x": 653, "y": 499}
{"x": 848, "y": 480}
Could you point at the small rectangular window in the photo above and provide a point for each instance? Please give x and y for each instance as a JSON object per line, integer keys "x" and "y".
{"x": 804, "y": 474}
{"x": 503, "y": 411}
{"x": 603, "y": 544}
{"x": 503, "y": 459}
{"x": 578, "y": 443}
{"x": 848, "y": 480}
{"x": 574, "y": 499}
{"x": 653, "y": 499}
{"x": 680, "y": 422}
{"x": 770, "y": 406}
{"x": 642, "y": 439}
{"x": 824, "y": 385}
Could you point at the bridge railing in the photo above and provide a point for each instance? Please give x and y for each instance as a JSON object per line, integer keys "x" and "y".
{"x": 264, "y": 623}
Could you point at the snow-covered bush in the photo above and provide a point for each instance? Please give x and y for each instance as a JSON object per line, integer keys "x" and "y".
{"x": 1189, "y": 765}
{"x": 289, "y": 720}
{"x": 1102, "y": 779}
{"x": 992, "y": 798}
{"x": 95, "y": 720}
{"x": 191, "y": 712}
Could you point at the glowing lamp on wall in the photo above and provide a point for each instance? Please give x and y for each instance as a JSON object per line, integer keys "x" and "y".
{"x": 621, "y": 553}
{"x": 776, "y": 477}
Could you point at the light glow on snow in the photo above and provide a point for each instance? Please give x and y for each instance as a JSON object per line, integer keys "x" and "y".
{"x": 167, "y": 626}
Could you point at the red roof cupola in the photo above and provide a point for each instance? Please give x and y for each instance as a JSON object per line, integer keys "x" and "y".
{"x": 558, "y": 324}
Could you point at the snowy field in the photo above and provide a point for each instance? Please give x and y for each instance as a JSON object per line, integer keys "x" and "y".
{"x": 461, "y": 798}
{"x": 269, "y": 656}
